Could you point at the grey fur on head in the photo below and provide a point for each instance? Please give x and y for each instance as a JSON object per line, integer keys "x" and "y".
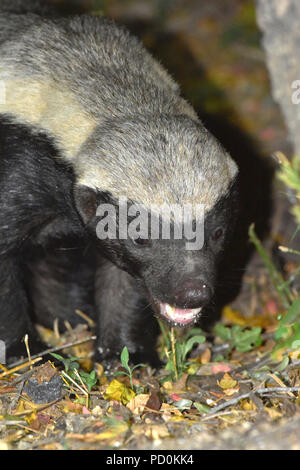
{"x": 161, "y": 159}
{"x": 113, "y": 111}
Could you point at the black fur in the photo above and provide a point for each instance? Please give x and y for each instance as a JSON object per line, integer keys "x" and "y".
{"x": 147, "y": 144}
{"x": 50, "y": 264}
{"x": 35, "y": 197}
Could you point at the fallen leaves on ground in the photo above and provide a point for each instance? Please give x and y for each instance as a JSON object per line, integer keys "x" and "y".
{"x": 152, "y": 408}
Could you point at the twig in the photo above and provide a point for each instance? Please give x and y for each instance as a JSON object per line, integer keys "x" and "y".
{"x": 280, "y": 396}
{"x": 174, "y": 352}
{"x": 86, "y": 318}
{"x": 27, "y": 428}
{"x": 70, "y": 387}
{"x": 51, "y": 350}
{"x": 277, "y": 389}
{"x": 216, "y": 415}
{"x": 279, "y": 382}
{"x": 75, "y": 383}
{"x": 41, "y": 407}
{"x": 28, "y": 350}
{"x": 19, "y": 391}
{"x": 259, "y": 391}
{"x": 20, "y": 366}
{"x": 84, "y": 386}
{"x": 13, "y": 422}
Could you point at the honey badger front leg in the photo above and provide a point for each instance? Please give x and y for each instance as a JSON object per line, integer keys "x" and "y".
{"x": 125, "y": 317}
{"x": 14, "y": 309}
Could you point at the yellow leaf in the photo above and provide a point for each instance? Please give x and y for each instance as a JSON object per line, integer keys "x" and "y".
{"x": 227, "y": 382}
{"x": 31, "y": 418}
{"x": 205, "y": 357}
{"x": 119, "y": 392}
{"x": 168, "y": 386}
{"x": 248, "y": 405}
{"x": 177, "y": 419}
{"x": 295, "y": 354}
{"x": 22, "y": 407}
{"x": 193, "y": 368}
{"x": 114, "y": 432}
{"x": 99, "y": 369}
{"x": 273, "y": 413}
{"x": 278, "y": 355}
{"x": 234, "y": 317}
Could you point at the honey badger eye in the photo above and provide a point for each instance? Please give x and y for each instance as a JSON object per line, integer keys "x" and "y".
{"x": 217, "y": 234}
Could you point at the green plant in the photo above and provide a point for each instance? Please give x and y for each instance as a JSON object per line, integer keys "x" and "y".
{"x": 176, "y": 349}
{"x": 287, "y": 333}
{"x": 277, "y": 280}
{"x": 72, "y": 369}
{"x": 125, "y": 363}
{"x": 289, "y": 174}
{"x": 242, "y": 339}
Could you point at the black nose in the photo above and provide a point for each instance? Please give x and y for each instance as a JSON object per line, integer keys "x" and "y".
{"x": 192, "y": 294}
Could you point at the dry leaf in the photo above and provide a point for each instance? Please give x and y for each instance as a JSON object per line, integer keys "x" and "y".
{"x": 154, "y": 402}
{"x": 97, "y": 411}
{"x": 138, "y": 403}
{"x": 227, "y": 382}
{"x": 169, "y": 411}
{"x": 231, "y": 391}
{"x": 273, "y": 413}
{"x": 205, "y": 357}
{"x": 157, "y": 431}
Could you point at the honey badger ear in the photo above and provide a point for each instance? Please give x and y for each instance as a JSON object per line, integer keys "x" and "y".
{"x": 86, "y": 202}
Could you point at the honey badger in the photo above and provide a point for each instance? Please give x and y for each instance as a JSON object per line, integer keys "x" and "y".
{"x": 87, "y": 117}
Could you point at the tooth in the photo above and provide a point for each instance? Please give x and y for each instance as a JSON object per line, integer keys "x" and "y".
{"x": 196, "y": 310}
{"x": 170, "y": 310}
{"x": 171, "y": 313}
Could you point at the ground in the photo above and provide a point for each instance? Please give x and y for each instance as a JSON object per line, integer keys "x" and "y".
{"x": 233, "y": 392}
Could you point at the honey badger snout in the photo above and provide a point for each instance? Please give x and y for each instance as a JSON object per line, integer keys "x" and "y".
{"x": 184, "y": 304}
{"x": 185, "y": 294}
{"x": 192, "y": 293}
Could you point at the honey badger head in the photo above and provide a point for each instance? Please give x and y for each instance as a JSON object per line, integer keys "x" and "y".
{"x": 156, "y": 161}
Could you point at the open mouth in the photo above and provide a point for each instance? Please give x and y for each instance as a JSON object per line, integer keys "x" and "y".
{"x": 178, "y": 316}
